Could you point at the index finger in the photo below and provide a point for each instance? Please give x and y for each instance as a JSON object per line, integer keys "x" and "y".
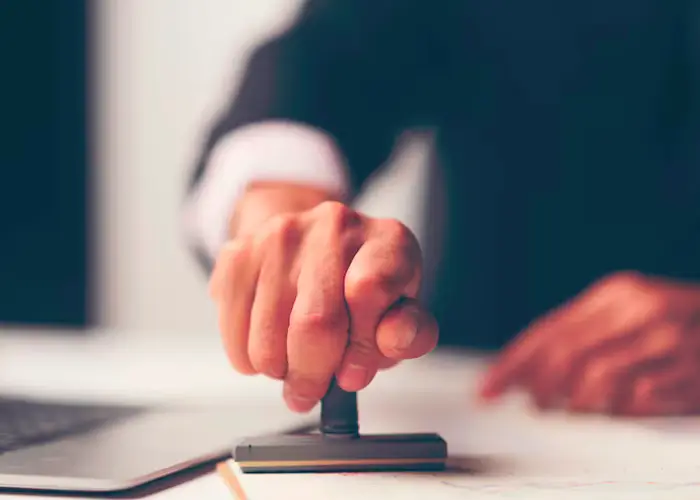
{"x": 512, "y": 365}
{"x": 319, "y": 322}
{"x": 518, "y": 359}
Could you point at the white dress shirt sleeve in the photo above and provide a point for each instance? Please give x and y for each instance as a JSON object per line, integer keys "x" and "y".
{"x": 266, "y": 151}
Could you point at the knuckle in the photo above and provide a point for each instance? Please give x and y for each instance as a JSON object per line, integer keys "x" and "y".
{"x": 362, "y": 286}
{"x": 631, "y": 290}
{"x": 399, "y": 236}
{"x": 279, "y": 231}
{"x": 560, "y": 360}
{"x": 329, "y": 322}
{"x": 651, "y": 304}
{"x": 337, "y": 214}
{"x": 379, "y": 284}
{"x": 283, "y": 225}
{"x": 599, "y": 373}
{"x": 625, "y": 281}
{"x": 404, "y": 254}
{"x": 671, "y": 339}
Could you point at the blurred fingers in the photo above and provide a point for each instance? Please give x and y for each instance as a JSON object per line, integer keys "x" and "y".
{"x": 515, "y": 364}
{"x": 233, "y": 286}
{"x": 606, "y": 381}
{"x": 675, "y": 391}
{"x": 558, "y": 368}
{"x": 274, "y": 297}
{"x": 674, "y": 388}
{"x": 602, "y": 383}
{"x": 551, "y": 353}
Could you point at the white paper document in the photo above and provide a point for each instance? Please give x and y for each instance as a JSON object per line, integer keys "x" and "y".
{"x": 503, "y": 452}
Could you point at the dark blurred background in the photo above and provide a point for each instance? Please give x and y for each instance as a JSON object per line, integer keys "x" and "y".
{"x": 44, "y": 171}
{"x": 103, "y": 105}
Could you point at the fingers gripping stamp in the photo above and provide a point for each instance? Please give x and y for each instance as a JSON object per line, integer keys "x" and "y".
{"x": 339, "y": 446}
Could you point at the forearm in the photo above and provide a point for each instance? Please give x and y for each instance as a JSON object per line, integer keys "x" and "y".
{"x": 263, "y": 200}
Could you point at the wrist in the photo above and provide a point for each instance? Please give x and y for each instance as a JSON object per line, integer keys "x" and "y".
{"x": 264, "y": 200}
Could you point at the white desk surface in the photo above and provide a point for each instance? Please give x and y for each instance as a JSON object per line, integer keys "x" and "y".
{"x": 514, "y": 452}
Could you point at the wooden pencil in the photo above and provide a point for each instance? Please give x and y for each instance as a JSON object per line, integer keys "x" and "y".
{"x": 225, "y": 470}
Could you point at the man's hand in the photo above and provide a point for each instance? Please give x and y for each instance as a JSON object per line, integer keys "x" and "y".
{"x": 319, "y": 292}
{"x": 629, "y": 345}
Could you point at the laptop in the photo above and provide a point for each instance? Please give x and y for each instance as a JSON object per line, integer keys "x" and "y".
{"x": 89, "y": 448}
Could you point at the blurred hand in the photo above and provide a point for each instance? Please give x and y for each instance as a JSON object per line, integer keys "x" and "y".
{"x": 321, "y": 292}
{"x": 629, "y": 345}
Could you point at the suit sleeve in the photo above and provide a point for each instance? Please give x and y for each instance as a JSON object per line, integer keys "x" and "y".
{"x": 353, "y": 69}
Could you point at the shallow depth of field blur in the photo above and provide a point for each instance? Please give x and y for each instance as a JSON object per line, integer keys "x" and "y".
{"x": 155, "y": 74}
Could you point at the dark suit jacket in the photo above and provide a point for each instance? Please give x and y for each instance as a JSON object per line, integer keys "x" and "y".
{"x": 567, "y": 133}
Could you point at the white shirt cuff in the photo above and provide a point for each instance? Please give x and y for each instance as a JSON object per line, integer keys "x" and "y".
{"x": 267, "y": 151}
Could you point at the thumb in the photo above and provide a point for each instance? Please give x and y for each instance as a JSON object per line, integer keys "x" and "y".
{"x": 406, "y": 331}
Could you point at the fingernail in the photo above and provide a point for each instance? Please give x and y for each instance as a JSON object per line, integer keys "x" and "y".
{"x": 405, "y": 337}
{"x": 353, "y": 377}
